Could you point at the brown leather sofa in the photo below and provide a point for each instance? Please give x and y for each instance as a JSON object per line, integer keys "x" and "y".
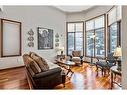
{"x": 43, "y": 79}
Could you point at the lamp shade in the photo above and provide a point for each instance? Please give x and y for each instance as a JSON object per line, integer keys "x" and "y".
{"x": 61, "y": 48}
{"x": 118, "y": 52}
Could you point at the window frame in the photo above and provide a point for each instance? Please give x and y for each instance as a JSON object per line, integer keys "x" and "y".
{"x": 108, "y": 31}
{"x": 118, "y": 35}
{"x": 74, "y": 36}
{"x": 94, "y": 38}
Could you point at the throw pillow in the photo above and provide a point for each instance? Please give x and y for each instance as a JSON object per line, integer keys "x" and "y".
{"x": 41, "y": 62}
{"x": 32, "y": 64}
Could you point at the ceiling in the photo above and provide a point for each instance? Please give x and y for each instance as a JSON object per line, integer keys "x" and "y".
{"x": 68, "y": 9}
{"x": 73, "y": 8}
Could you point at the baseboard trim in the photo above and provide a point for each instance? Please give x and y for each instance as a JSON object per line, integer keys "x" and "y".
{"x": 12, "y": 68}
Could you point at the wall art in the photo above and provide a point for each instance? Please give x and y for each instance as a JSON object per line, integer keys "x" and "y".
{"x": 45, "y": 38}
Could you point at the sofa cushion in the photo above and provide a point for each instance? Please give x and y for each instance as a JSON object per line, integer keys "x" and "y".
{"x": 32, "y": 53}
{"x": 30, "y": 63}
{"x": 102, "y": 63}
{"x": 51, "y": 65}
{"x": 76, "y": 58}
{"x": 33, "y": 65}
{"x": 30, "y": 71}
{"x": 40, "y": 61}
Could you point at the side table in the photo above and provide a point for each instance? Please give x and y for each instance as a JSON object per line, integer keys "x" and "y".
{"x": 115, "y": 71}
{"x": 60, "y": 56}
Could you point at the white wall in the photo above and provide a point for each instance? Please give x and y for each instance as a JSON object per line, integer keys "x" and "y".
{"x": 124, "y": 47}
{"x": 31, "y": 18}
{"x": 86, "y": 15}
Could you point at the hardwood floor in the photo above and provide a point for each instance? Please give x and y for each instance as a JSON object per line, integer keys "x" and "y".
{"x": 83, "y": 78}
{"x": 13, "y": 79}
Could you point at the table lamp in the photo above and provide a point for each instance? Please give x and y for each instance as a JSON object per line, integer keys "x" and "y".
{"x": 61, "y": 49}
{"x": 117, "y": 55}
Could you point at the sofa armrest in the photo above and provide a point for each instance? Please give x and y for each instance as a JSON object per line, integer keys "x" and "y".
{"x": 47, "y": 73}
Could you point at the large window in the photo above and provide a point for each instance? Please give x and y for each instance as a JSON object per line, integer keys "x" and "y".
{"x": 114, "y": 23}
{"x": 74, "y": 36}
{"x": 95, "y": 37}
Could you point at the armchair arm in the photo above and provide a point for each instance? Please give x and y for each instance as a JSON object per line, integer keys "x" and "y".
{"x": 70, "y": 57}
{"x": 108, "y": 64}
{"x": 114, "y": 61}
{"x": 81, "y": 57}
{"x": 98, "y": 59}
{"x": 47, "y": 73}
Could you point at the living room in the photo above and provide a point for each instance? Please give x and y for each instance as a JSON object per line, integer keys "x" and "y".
{"x": 93, "y": 40}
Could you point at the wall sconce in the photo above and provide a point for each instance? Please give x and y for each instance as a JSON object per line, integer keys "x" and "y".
{"x": 30, "y": 38}
{"x": 57, "y": 40}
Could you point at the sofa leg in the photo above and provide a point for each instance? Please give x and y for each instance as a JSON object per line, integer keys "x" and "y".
{"x": 81, "y": 62}
{"x": 63, "y": 79}
{"x": 108, "y": 71}
{"x": 102, "y": 71}
{"x": 64, "y": 85}
{"x": 97, "y": 70}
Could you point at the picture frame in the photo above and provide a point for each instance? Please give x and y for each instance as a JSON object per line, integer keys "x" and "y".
{"x": 45, "y": 38}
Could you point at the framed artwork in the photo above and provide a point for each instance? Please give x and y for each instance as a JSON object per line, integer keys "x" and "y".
{"x": 45, "y": 38}
{"x": 10, "y": 40}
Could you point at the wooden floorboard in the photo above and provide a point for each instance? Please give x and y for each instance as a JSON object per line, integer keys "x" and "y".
{"x": 13, "y": 79}
{"x": 84, "y": 77}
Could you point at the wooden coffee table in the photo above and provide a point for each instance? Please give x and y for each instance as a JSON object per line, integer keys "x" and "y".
{"x": 66, "y": 65}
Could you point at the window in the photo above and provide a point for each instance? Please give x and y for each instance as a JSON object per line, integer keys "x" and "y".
{"x": 114, "y": 23}
{"x": 74, "y": 36}
{"x": 95, "y": 37}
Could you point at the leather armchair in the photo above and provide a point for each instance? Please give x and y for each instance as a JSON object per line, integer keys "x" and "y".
{"x": 105, "y": 64}
{"x": 76, "y": 57}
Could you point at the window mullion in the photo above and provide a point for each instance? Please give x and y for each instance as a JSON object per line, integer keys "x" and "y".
{"x": 74, "y": 42}
{"x": 74, "y": 37}
{"x": 94, "y": 40}
{"x": 118, "y": 34}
